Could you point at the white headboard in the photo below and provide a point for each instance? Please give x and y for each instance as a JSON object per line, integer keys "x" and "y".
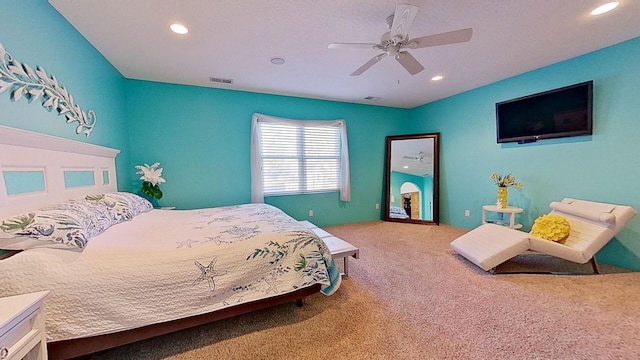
{"x": 38, "y": 170}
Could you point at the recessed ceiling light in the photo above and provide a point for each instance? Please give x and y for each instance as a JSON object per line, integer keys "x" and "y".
{"x": 405, "y": 167}
{"x": 437, "y": 78}
{"x": 605, "y": 8}
{"x": 277, "y": 60}
{"x": 179, "y": 29}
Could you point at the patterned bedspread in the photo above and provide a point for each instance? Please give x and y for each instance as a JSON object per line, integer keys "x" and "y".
{"x": 169, "y": 264}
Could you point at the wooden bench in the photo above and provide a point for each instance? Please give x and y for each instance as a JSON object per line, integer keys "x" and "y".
{"x": 339, "y": 248}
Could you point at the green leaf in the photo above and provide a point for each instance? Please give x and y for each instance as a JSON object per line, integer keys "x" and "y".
{"x": 300, "y": 264}
{"x": 17, "y": 223}
{"x": 94, "y": 197}
{"x": 151, "y": 190}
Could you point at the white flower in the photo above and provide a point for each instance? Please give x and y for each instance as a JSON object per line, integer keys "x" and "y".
{"x": 151, "y": 173}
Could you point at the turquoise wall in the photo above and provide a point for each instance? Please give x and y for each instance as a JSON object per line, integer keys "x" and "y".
{"x": 34, "y": 33}
{"x": 427, "y": 197}
{"x": 603, "y": 167}
{"x": 201, "y": 137}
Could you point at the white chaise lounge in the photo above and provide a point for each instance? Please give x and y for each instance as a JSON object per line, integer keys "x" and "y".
{"x": 593, "y": 225}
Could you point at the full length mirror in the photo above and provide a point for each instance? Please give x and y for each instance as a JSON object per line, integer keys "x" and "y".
{"x": 411, "y": 179}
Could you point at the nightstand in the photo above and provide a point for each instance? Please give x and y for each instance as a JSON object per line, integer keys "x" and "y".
{"x": 511, "y": 210}
{"x": 22, "y": 329}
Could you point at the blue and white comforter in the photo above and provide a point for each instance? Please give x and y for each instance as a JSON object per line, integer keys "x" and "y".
{"x": 168, "y": 264}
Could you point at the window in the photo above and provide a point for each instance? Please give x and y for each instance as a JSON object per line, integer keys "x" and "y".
{"x": 298, "y": 157}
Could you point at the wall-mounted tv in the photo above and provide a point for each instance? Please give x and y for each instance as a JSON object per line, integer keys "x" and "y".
{"x": 551, "y": 114}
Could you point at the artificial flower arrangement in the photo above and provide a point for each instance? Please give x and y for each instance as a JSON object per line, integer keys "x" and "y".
{"x": 505, "y": 181}
{"x": 151, "y": 177}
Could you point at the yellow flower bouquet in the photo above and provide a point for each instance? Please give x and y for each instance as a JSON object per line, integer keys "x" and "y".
{"x": 505, "y": 181}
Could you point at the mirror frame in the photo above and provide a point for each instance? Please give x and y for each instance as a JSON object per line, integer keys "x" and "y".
{"x": 436, "y": 178}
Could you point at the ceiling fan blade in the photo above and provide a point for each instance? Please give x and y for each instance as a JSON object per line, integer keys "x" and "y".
{"x": 402, "y": 20}
{"x": 368, "y": 64}
{"x": 451, "y": 37}
{"x": 409, "y": 62}
{"x": 352, "y": 46}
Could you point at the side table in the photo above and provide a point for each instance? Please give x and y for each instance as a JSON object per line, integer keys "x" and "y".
{"x": 511, "y": 210}
{"x": 22, "y": 329}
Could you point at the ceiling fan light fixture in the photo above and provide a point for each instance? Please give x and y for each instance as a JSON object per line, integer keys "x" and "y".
{"x": 605, "y": 8}
{"x": 179, "y": 29}
{"x": 437, "y": 78}
{"x": 277, "y": 60}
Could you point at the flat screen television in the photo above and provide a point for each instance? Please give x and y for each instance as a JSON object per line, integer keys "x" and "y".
{"x": 551, "y": 114}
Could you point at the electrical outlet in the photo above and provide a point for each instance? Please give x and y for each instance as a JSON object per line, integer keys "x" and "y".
{"x": 377, "y": 206}
{"x": 467, "y": 213}
{"x": 310, "y": 212}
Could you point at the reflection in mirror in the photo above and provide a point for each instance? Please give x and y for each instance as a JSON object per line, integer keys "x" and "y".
{"x": 411, "y": 179}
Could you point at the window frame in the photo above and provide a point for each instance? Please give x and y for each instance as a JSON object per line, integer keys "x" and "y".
{"x": 257, "y": 165}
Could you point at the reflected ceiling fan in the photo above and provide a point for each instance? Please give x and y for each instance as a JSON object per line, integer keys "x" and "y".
{"x": 420, "y": 156}
{"x": 394, "y": 42}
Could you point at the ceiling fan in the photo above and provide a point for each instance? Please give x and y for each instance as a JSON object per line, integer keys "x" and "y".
{"x": 420, "y": 156}
{"x": 397, "y": 39}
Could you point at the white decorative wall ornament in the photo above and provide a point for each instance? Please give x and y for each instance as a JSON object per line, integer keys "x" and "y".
{"x": 22, "y": 81}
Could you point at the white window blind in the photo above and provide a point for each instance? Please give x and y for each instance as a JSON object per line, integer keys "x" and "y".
{"x": 297, "y": 157}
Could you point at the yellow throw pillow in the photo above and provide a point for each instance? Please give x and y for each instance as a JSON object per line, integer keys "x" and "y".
{"x": 551, "y": 227}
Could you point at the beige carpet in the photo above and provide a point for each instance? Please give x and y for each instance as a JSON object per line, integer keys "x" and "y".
{"x": 410, "y": 296}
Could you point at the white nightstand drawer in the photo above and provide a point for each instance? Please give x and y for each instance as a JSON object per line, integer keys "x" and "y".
{"x": 19, "y": 328}
{"x": 22, "y": 333}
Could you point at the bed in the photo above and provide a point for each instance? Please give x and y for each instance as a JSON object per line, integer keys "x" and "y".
{"x": 120, "y": 271}
{"x": 396, "y": 212}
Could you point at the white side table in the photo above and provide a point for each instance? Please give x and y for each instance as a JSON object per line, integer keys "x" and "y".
{"x": 22, "y": 329}
{"x": 511, "y": 210}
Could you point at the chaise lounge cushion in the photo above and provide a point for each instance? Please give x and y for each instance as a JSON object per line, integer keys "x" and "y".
{"x": 584, "y": 241}
{"x": 503, "y": 245}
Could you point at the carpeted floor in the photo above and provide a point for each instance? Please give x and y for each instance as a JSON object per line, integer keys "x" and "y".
{"x": 410, "y": 296}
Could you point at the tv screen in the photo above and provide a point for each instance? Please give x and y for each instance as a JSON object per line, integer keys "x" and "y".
{"x": 551, "y": 114}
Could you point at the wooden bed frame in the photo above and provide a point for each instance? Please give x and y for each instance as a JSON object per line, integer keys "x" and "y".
{"x": 25, "y": 151}
{"x": 67, "y": 349}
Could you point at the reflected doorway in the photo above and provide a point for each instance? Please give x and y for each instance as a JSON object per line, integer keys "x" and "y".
{"x": 410, "y": 194}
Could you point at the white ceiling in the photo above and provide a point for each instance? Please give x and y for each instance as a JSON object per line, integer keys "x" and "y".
{"x": 236, "y": 39}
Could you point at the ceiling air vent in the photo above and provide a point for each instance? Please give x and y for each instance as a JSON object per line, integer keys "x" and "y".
{"x": 372, "y": 98}
{"x": 221, "y": 80}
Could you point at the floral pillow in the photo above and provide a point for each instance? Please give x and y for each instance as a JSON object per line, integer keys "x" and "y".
{"x": 68, "y": 225}
{"x": 124, "y": 206}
